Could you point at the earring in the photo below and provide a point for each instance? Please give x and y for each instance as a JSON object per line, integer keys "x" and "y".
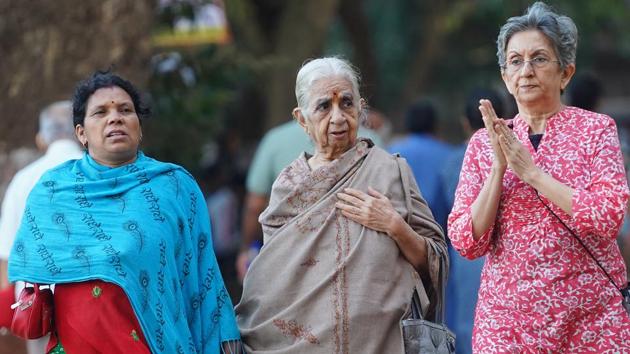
{"x": 85, "y": 145}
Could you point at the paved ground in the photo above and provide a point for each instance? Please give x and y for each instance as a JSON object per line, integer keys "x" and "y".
{"x": 11, "y": 345}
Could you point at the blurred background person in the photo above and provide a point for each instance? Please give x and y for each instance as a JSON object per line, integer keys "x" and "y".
{"x": 277, "y": 148}
{"x": 464, "y": 274}
{"x": 426, "y": 154}
{"x": 623, "y": 239}
{"x": 535, "y": 194}
{"x": 378, "y": 123}
{"x": 223, "y": 182}
{"x": 57, "y": 140}
{"x": 585, "y": 91}
{"x": 10, "y": 163}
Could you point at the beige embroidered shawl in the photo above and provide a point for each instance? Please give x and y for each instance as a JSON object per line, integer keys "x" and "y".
{"x": 323, "y": 283}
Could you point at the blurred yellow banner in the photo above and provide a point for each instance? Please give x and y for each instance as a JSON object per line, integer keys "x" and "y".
{"x": 189, "y": 23}
{"x": 192, "y": 37}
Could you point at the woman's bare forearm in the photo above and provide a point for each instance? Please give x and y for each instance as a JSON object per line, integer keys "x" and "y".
{"x": 484, "y": 209}
{"x": 411, "y": 245}
{"x": 557, "y": 192}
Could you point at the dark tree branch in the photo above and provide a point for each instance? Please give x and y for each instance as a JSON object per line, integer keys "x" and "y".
{"x": 352, "y": 16}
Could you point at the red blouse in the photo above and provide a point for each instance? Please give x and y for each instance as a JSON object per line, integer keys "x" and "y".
{"x": 96, "y": 317}
{"x": 7, "y": 298}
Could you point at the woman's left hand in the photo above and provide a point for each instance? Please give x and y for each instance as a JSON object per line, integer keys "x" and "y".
{"x": 518, "y": 157}
{"x": 372, "y": 210}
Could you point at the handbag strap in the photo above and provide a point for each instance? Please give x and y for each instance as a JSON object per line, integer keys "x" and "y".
{"x": 416, "y": 305}
{"x": 581, "y": 243}
{"x": 18, "y": 300}
{"x": 405, "y": 185}
{"x": 35, "y": 286}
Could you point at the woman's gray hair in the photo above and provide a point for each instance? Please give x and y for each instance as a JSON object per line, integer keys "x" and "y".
{"x": 560, "y": 30}
{"x": 55, "y": 122}
{"x": 322, "y": 68}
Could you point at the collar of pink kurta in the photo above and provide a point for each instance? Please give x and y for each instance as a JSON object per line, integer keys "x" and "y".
{"x": 521, "y": 130}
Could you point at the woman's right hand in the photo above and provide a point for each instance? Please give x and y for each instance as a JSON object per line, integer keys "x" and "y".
{"x": 490, "y": 118}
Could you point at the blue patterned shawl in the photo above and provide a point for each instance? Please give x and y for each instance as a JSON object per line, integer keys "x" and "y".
{"x": 143, "y": 226}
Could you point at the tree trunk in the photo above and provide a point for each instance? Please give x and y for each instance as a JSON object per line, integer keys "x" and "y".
{"x": 442, "y": 20}
{"x": 293, "y": 32}
{"x": 358, "y": 29}
{"x": 300, "y": 36}
{"x": 47, "y": 46}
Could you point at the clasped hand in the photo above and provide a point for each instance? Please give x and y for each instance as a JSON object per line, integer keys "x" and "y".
{"x": 373, "y": 210}
{"x": 508, "y": 150}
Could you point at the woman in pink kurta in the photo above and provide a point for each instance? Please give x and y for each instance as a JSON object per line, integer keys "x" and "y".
{"x": 540, "y": 290}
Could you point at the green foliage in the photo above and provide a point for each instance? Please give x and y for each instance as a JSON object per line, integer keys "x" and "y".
{"x": 190, "y": 101}
{"x": 229, "y": 90}
{"x": 397, "y": 27}
{"x": 467, "y": 53}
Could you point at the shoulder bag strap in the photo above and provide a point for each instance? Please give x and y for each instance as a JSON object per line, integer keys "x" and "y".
{"x": 581, "y": 243}
{"x": 416, "y": 305}
{"x": 405, "y": 185}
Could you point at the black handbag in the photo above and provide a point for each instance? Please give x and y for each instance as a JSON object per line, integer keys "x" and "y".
{"x": 423, "y": 336}
{"x": 419, "y": 334}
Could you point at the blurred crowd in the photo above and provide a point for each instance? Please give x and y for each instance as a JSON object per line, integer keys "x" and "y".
{"x": 237, "y": 180}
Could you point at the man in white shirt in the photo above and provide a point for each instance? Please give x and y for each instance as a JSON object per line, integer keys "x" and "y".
{"x": 55, "y": 137}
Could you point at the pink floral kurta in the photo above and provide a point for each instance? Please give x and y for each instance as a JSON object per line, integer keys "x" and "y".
{"x": 540, "y": 291}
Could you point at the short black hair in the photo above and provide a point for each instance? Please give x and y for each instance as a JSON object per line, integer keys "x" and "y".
{"x": 585, "y": 91}
{"x": 103, "y": 79}
{"x": 420, "y": 117}
{"x": 471, "y": 110}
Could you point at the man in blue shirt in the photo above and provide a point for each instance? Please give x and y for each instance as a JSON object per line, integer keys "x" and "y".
{"x": 426, "y": 155}
{"x": 464, "y": 275}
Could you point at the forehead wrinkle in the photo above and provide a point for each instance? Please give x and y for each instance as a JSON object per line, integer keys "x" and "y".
{"x": 347, "y": 94}
{"x": 534, "y": 51}
{"x": 109, "y": 100}
{"x": 526, "y": 42}
{"x": 540, "y": 51}
{"x": 328, "y": 97}
{"x": 322, "y": 100}
{"x": 94, "y": 106}
{"x": 109, "y": 103}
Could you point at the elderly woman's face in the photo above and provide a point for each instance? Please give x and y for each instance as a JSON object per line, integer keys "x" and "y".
{"x": 111, "y": 128}
{"x": 539, "y": 78}
{"x": 332, "y": 116}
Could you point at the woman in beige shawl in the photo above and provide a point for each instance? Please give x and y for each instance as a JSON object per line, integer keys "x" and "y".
{"x": 347, "y": 235}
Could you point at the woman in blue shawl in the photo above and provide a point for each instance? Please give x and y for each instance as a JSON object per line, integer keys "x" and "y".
{"x": 125, "y": 238}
